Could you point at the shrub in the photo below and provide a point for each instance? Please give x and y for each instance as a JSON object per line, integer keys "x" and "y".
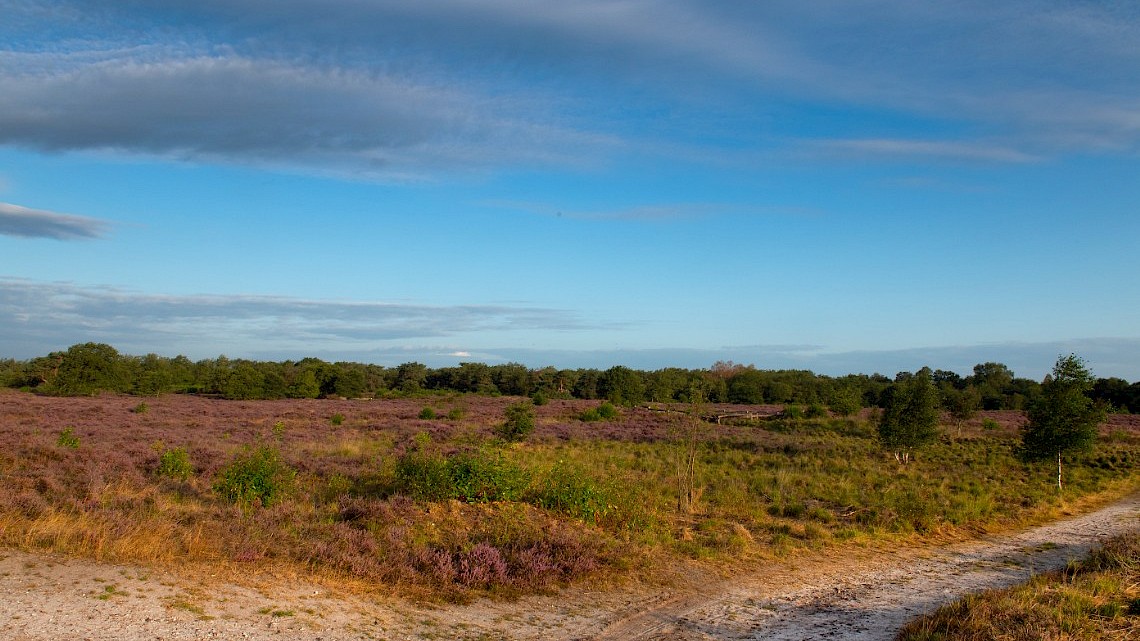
{"x": 456, "y": 413}
{"x": 519, "y": 423}
{"x": 607, "y": 411}
{"x": 427, "y": 413}
{"x": 539, "y": 398}
{"x": 256, "y": 475}
{"x": 337, "y": 419}
{"x": 815, "y": 410}
{"x": 141, "y": 408}
{"x": 571, "y": 492}
{"x": 590, "y": 415}
{"x": 174, "y": 464}
{"x": 67, "y": 438}
{"x": 793, "y": 412}
{"x": 472, "y": 477}
{"x": 990, "y": 424}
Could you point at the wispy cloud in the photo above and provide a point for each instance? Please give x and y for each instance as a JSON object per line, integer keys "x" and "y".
{"x": 41, "y": 315}
{"x": 655, "y": 212}
{"x": 37, "y": 223}
{"x": 931, "y": 149}
{"x": 402, "y": 88}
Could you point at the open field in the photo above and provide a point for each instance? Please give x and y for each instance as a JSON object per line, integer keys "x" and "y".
{"x": 372, "y": 498}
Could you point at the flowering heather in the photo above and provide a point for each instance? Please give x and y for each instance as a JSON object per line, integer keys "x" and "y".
{"x": 598, "y": 495}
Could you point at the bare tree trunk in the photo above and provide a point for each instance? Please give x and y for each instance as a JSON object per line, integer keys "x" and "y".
{"x": 1058, "y": 470}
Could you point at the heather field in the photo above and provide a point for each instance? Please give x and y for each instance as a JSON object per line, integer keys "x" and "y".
{"x": 430, "y": 495}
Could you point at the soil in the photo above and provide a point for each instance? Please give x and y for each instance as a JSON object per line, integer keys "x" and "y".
{"x": 853, "y": 593}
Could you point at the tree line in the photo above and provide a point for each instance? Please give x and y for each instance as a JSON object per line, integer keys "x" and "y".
{"x": 91, "y": 368}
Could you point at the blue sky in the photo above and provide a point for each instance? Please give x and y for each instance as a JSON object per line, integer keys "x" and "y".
{"x": 851, "y": 186}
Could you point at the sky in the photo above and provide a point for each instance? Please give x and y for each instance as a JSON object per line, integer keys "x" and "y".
{"x": 848, "y": 186}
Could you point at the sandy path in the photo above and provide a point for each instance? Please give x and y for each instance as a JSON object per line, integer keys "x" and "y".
{"x": 877, "y": 594}
{"x": 859, "y": 595}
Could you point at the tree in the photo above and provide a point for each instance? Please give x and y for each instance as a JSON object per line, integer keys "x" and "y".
{"x": 962, "y": 404}
{"x": 1063, "y": 419}
{"x": 910, "y": 414}
{"x": 519, "y": 423}
{"x": 90, "y": 368}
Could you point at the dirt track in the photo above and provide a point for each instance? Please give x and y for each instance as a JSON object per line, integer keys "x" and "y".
{"x": 865, "y": 595}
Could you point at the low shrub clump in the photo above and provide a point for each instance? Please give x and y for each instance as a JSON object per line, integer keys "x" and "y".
{"x": 255, "y": 476}
{"x": 477, "y": 476}
{"x": 174, "y": 464}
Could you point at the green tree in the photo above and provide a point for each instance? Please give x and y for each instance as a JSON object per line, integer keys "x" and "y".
{"x": 622, "y": 386}
{"x": 519, "y": 423}
{"x": 1063, "y": 419}
{"x": 962, "y": 404}
{"x": 910, "y": 414}
{"x": 90, "y": 368}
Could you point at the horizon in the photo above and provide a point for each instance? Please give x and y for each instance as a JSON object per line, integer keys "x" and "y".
{"x": 856, "y": 187}
{"x": 447, "y": 360}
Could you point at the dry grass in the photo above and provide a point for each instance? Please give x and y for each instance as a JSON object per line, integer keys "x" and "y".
{"x": 1096, "y": 599}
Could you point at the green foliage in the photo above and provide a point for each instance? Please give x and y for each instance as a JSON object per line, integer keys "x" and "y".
{"x": 175, "y": 464}
{"x": 456, "y": 413}
{"x": 1064, "y": 419}
{"x": 846, "y": 401}
{"x": 590, "y": 415}
{"x": 607, "y": 411}
{"x": 90, "y": 368}
{"x": 427, "y": 414}
{"x": 337, "y": 419}
{"x": 910, "y": 414}
{"x": 622, "y": 385}
{"x": 815, "y": 410}
{"x": 473, "y": 477}
{"x": 141, "y": 408}
{"x": 68, "y": 439}
{"x": 569, "y": 490}
{"x": 539, "y": 398}
{"x": 519, "y": 422}
{"x": 256, "y": 476}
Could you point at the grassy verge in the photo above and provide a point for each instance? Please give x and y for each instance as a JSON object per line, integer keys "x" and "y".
{"x": 1098, "y": 598}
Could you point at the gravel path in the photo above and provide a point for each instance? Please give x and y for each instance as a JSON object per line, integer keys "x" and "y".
{"x": 863, "y": 594}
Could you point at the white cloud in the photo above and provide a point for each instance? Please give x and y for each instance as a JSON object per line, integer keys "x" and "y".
{"x": 37, "y": 223}
{"x": 44, "y": 316}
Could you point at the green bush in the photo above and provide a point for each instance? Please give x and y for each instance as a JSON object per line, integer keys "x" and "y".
{"x": 539, "y": 398}
{"x": 815, "y": 410}
{"x": 519, "y": 423}
{"x": 473, "y": 477}
{"x": 175, "y": 464}
{"x": 570, "y": 491}
{"x": 67, "y": 438}
{"x": 427, "y": 413}
{"x": 337, "y": 419}
{"x": 607, "y": 411}
{"x": 990, "y": 424}
{"x": 256, "y": 475}
{"x": 141, "y": 408}
{"x": 590, "y": 415}
{"x": 456, "y": 413}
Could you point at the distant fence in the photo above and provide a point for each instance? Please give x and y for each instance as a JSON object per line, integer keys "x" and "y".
{"x": 717, "y": 415}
